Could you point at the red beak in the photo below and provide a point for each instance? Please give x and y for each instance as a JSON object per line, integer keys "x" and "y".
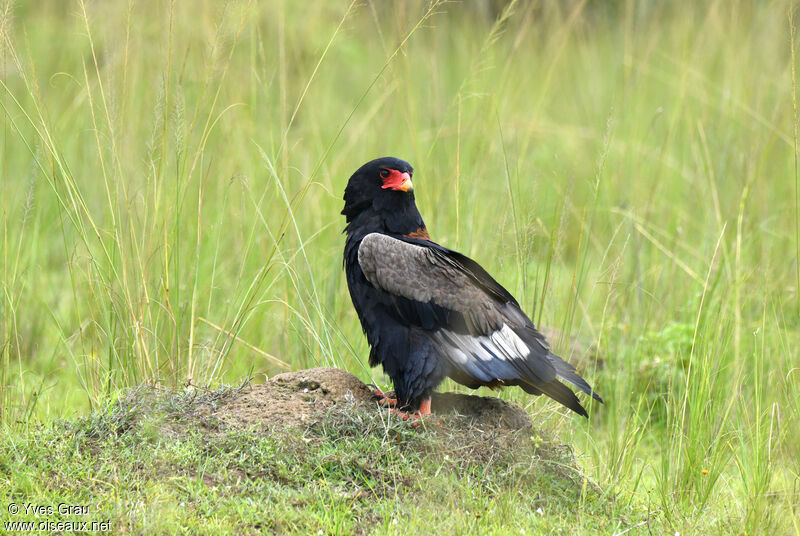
{"x": 398, "y": 181}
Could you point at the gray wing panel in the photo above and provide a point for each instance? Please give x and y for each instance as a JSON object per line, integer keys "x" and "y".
{"x": 500, "y": 344}
{"x": 422, "y": 274}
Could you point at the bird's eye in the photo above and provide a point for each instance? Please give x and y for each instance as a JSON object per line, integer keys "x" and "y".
{"x": 384, "y": 173}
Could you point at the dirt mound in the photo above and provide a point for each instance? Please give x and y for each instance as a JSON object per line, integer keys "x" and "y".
{"x": 306, "y": 397}
{"x": 482, "y": 411}
{"x": 293, "y": 399}
{"x": 306, "y": 416}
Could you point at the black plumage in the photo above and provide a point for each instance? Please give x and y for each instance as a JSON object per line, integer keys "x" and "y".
{"x": 430, "y": 312}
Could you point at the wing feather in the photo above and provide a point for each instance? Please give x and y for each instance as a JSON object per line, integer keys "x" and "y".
{"x": 477, "y": 326}
{"x": 425, "y": 275}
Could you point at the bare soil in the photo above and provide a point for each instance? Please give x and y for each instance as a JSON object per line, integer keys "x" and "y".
{"x": 303, "y": 398}
{"x": 307, "y": 409}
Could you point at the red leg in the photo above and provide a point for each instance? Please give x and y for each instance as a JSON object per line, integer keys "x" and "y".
{"x": 424, "y": 410}
{"x": 425, "y": 407}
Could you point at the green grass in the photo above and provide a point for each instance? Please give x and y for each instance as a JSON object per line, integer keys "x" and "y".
{"x": 356, "y": 472}
{"x": 171, "y": 179}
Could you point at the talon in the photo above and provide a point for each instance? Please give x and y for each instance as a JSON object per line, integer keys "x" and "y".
{"x": 404, "y": 415}
{"x": 382, "y": 399}
{"x": 416, "y": 417}
{"x": 388, "y": 402}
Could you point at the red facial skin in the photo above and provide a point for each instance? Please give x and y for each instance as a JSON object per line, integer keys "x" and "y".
{"x": 395, "y": 180}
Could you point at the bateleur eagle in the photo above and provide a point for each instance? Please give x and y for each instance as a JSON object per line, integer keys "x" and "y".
{"x": 430, "y": 312}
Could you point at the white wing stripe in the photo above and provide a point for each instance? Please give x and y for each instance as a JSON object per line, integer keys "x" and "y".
{"x": 491, "y": 356}
{"x": 501, "y": 344}
{"x": 509, "y": 335}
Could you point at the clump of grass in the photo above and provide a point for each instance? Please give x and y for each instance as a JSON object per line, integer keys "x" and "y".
{"x": 352, "y": 472}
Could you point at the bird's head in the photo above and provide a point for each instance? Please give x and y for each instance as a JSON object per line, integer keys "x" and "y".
{"x": 383, "y": 185}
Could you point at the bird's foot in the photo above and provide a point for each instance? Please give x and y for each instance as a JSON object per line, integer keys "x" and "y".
{"x": 414, "y": 418}
{"x": 381, "y": 397}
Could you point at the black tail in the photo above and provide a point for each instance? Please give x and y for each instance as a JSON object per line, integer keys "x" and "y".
{"x": 568, "y": 373}
{"x": 541, "y": 357}
{"x": 558, "y": 392}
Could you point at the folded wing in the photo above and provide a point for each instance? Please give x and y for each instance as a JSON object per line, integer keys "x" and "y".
{"x": 478, "y": 327}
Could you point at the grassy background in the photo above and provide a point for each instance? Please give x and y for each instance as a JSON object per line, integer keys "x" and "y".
{"x": 171, "y": 185}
